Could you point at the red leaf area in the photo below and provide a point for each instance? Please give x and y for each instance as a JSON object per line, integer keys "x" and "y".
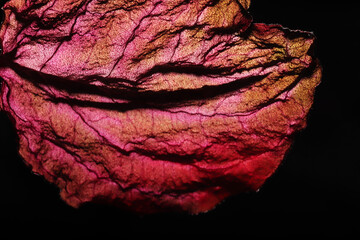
{"x": 161, "y": 105}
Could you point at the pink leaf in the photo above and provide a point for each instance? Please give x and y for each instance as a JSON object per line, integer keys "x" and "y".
{"x": 153, "y": 105}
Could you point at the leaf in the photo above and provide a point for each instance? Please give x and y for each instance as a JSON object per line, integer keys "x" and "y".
{"x": 153, "y": 105}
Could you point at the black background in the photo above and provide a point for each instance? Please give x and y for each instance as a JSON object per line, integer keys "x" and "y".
{"x": 315, "y": 191}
